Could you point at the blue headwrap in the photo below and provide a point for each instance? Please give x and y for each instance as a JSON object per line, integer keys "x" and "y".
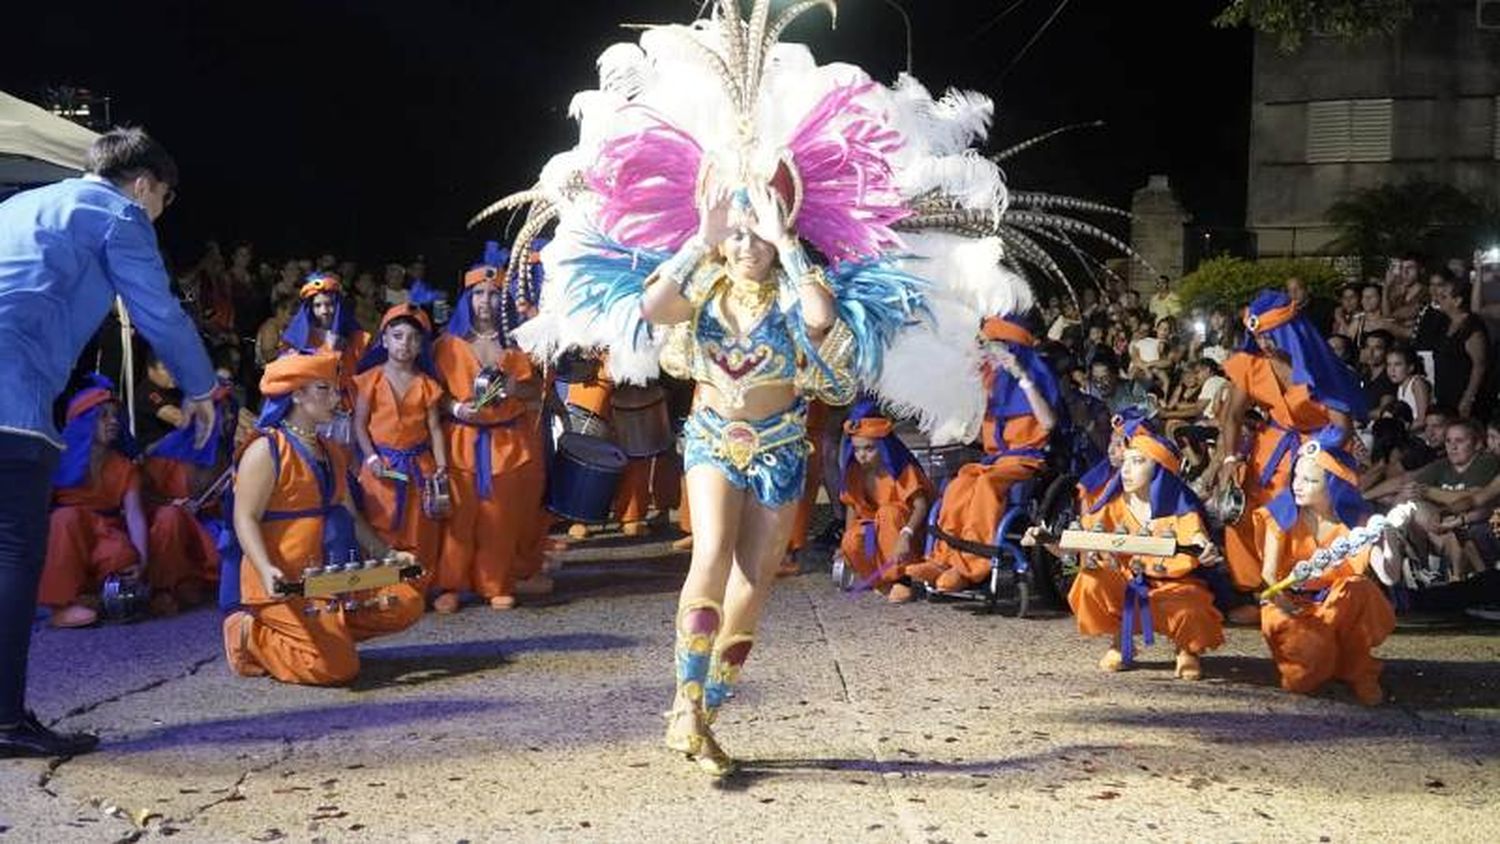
{"x": 893, "y": 452}
{"x": 78, "y": 434}
{"x": 1349, "y": 505}
{"x": 1125, "y": 423}
{"x": 462, "y": 322}
{"x": 1169, "y": 494}
{"x": 1007, "y": 399}
{"x": 298, "y": 334}
{"x": 1328, "y": 379}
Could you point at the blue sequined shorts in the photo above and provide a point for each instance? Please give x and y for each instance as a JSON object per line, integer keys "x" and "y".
{"x": 767, "y": 457}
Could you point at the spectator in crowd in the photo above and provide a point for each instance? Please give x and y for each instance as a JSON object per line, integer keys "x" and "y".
{"x": 393, "y": 289}
{"x": 367, "y": 302}
{"x": 1372, "y": 369}
{"x": 1105, "y": 385}
{"x": 1404, "y": 370}
{"x": 1164, "y": 303}
{"x": 1345, "y": 313}
{"x": 1317, "y": 309}
{"x": 1462, "y": 355}
{"x": 158, "y": 405}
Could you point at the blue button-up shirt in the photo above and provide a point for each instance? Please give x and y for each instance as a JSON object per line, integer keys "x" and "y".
{"x": 66, "y": 251}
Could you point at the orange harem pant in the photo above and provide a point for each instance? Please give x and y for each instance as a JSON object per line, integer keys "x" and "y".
{"x": 84, "y": 547}
{"x": 1182, "y": 609}
{"x": 1331, "y": 639}
{"x": 973, "y": 505}
{"x": 319, "y": 650}
{"x": 491, "y": 544}
{"x": 878, "y": 570}
{"x": 647, "y": 481}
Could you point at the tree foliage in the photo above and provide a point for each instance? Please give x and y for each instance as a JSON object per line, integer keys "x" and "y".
{"x": 1232, "y": 282}
{"x": 1420, "y": 216}
{"x": 1290, "y": 21}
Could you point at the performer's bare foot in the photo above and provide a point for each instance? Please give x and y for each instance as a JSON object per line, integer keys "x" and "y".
{"x": 578, "y": 531}
{"x": 925, "y": 572}
{"x": 503, "y": 602}
{"x": 683, "y": 544}
{"x": 1368, "y": 692}
{"x": 537, "y": 584}
{"x": 74, "y": 615}
{"x": 237, "y": 627}
{"x": 950, "y": 581}
{"x": 635, "y": 529}
{"x": 788, "y": 567}
{"x": 899, "y": 593}
{"x": 1189, "y": 666}
{"x": 446, "y": 603}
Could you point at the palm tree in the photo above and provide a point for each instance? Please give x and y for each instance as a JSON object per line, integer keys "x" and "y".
{"x": 1390, "y": 220}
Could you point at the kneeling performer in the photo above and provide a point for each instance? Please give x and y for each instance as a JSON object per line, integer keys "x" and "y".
{"x": 1118, "y": 596}
{"x": 292, "y": 511}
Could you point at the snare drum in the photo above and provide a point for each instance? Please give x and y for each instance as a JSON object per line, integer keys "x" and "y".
{"x": 585, "y": 472}
{"x": 940, "y": 462}
{"x": 643, "y": 427}
{"x": 581, "y": 420}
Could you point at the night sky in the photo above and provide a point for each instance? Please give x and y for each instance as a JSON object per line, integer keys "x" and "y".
{"x": 375, "y": 128}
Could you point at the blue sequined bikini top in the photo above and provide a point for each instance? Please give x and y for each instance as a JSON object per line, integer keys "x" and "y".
{"x": 736, "y": 364}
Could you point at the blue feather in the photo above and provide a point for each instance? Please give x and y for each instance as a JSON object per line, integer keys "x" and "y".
{"x": 876, "y": 299}
{"x": 611, "y": 276}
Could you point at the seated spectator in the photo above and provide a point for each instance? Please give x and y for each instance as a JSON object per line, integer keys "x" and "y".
{"x": 1372, "y": 375}
{"x": 158, "y": 410}
{"x": 1404, "y": 370}
{"x": 1105, "y": 385}
{"x": 1346, "y": 311}
{"x": 1343, "y": 347}
{"x": 1451, "y": 494}
{"x": 1164, "y": 304}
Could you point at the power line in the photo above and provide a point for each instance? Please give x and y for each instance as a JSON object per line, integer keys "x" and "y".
{"x": 1047, "y": 24}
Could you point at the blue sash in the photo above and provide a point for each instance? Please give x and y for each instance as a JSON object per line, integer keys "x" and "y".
{"x": 405, "y": 461}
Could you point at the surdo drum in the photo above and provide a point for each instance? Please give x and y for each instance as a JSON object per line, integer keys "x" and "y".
{"x": 643, "y": 427}
{"x": 585, "y": 473}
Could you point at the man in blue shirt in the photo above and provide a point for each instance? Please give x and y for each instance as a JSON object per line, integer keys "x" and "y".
{"x": 66, "y": 251}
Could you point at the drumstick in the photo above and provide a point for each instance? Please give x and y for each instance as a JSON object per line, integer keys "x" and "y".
{"x": 213, "y": 490}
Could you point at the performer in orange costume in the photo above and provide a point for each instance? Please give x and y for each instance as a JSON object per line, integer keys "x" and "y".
{"x": 98, "y": 525}
{"x": 184, "y": 538}
{"x": 325, "y": 322}
{"x": 1018, "y": 420}
{"x": 886, "y": 495}
{"x": 397, "y": 422}
{"x": 1120, "y": 597}
{"x": 292, "y": 510}
{"x": 1322, "y": 629}
{"x": 493, "y": 541}
{"x": 1287, "y": 372}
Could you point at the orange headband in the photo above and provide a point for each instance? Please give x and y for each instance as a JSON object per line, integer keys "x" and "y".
{"x": 325, "y": 283}
{"x": 480, "y": 274}
{"x": 1159, "y": 452}
{"x": 1332, "y": 465}
{"x": 291, "y": 372}
{"x": 406, "y": 310}
{"x": 870, "y": 427}
{"x": 1274, "y": 318}
{"x": 999, "y": 328}
{"x": 88, "y": 400}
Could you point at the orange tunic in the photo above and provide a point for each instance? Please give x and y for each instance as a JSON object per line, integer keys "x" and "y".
{"x": 1331, "y": 638}
{"x": 398, "y": 429}
{"x": 874, "y": 523}
{"x": 491, "y": 543}
{"x": 1182, "y": 606}
{"x": 978, "y": 495}
{"x": 87, "y": 539}
{"x": 183, "y": 552}
{"x": 1294, "y": 413}
{"x": 289, "y": 644}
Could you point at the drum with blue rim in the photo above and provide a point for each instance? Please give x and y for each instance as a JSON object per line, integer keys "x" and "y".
{"x": 584, "y": 475}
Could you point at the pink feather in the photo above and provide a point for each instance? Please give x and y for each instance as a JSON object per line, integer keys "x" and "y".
{"x": 648, "y": 181}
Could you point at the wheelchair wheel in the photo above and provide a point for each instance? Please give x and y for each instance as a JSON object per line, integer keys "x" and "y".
{"x": 920, "y": 591}
{"x": 1059, "y": 508}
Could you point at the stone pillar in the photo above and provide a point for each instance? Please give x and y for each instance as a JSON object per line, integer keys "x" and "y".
{"x": 1156, "y": 232}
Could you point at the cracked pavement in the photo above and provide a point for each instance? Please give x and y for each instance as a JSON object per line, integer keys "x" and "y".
{"x": 856, "y": 720}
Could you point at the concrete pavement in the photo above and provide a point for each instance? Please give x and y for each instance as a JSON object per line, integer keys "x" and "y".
{"x": 857, "y": 721}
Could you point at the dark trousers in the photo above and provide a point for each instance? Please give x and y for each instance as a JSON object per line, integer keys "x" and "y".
{"x": 26, "y": 466}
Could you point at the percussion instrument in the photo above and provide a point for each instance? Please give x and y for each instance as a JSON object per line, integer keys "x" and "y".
{"x": 581, "y": 420}
{"x": 339, "y": 430}
{"x": 1343, "y": 548}
{"x": 124, "y": 599}
{"x": 584, "y": 474}
{"x": 437, "y": 498}
{"x": 643, "y": 427}
{"x": 491, "y": 384}
{"x": 940, "y": 462}
{"x": 1227, "y": 506}
{"x": 337, "y": 580}
{"x": 576, "y": 368}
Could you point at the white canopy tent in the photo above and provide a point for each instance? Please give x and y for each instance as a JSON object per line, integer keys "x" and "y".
{"x": 37, "y": 146}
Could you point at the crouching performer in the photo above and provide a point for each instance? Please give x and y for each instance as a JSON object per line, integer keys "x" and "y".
{"x": 1120, "y": 596}
{"x": 292, "y": 510}
{"x": 1322, "y": 627}
{"x": 886, "y": 494}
